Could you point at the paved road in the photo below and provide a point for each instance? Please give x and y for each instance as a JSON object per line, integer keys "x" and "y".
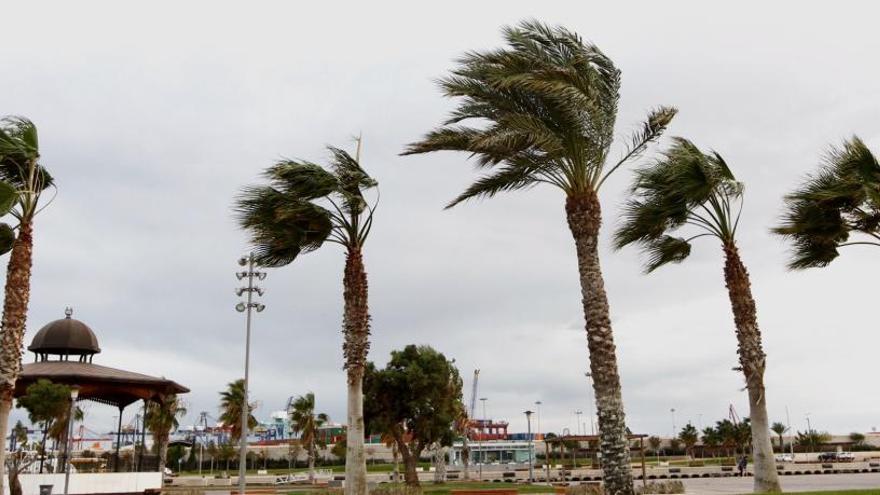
{"x": 803, "y": 483}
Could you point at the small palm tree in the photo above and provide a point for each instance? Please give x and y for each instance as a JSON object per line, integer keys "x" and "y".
{"x": 838, "y": 203}
{"x": 690, "y": 190}
{"x": 306, "y": 423}
{"x": 711, "y": 439}
{"x": 20, "y": 168}
{"x": 779, "y": 429}
{"x": 285, "y": 220}
{"x": 689, "y": 436}
{"x": 162, "y": 419}
{"x": 542, "y": 111}
{"x": 231, "y": 407}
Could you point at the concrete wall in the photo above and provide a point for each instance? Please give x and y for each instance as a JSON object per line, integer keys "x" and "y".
{"x": 83, "y": 483}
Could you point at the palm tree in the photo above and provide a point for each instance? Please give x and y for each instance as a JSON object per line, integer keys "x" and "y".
{"x": 284, "y": 220}
{"x": 841, "y": 201}
{"x": 688, "y": 189}
{"x": 711, "y": 439}
{"x": 779, "y": 429}
{"x": 231, "y": 405}
{"x": 544, "y": 110}
{"x": 20, "y": 168}
{"x": 161, "y": 420}
{"x": 306, "y": 423}
{"x": 689, "y": 437}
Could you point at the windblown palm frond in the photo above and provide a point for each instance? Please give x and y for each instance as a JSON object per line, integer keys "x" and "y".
{"x": 304, "y": 205}
{"x": 19, "y": 150}
{"x": 685, "y": 188}
{"x": 545, "y": 108}
{"x": 842, "y": 199}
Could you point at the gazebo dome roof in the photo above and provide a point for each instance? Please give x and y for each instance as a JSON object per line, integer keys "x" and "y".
{"x": 64, "y": 337}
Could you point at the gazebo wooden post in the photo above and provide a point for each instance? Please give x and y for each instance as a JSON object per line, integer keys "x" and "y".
{"x": 143, "y": 437}
{"x": 118, "y": 440}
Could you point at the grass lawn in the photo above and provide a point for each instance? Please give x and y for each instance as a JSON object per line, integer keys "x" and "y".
{"x": 872, "y": 491}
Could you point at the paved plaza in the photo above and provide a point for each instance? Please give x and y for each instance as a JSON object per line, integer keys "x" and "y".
{"x": 803, "y": 483}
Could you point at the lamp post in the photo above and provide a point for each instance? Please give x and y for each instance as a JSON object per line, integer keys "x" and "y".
{"x": 529, "y": 430}
{"x": 810, "y": 432}
{"x": 578, "y": 414}
{"x": 74, "y": 393}
{"x": 247, "y": 307}
{"x": 482, "y": 434}
{"x": 672, "y": 411}
{"x": 538, "y": 407}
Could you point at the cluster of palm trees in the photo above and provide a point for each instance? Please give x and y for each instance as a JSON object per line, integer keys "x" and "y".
{"x": 542, "y": 111}
{"x": 539, "y": 111}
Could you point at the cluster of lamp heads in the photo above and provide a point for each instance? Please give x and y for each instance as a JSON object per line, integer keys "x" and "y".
{"x": 251, "y": 274}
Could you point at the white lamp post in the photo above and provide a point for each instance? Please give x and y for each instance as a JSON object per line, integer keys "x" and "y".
{"x": 241, "y": 307}
{"x": 74, "y": 393}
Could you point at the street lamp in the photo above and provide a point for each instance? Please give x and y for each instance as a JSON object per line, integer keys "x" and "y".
{"x": 529, "y": 430}
{"x": 538, "y": 406}
{"x": 578, "y": 413}
{"x": 74, "y": 393}
{"x": 673, "y": 422}
{"x": 250, "y": 263}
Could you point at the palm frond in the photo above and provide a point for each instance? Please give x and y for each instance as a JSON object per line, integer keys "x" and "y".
{"x": 838, "y": 201}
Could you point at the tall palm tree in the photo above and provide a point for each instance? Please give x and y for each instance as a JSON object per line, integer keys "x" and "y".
{"x": 306, "y": 423}
{"x": 231, "y": 406}
{"x": 841, "y": 201}
{"x": 542, "y": 111}
{"x": 20, "y": 168}
{"x": 285, "y": 219}
{"x": 161, "y": 420}
{"x": 779, "y": 429}
{"x": 688, "y": 189}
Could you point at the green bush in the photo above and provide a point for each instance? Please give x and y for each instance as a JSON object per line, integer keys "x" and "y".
{"x": 668, "y": 486}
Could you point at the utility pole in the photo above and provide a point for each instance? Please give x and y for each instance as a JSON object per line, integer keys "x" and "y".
{"x": 590, "y": 404}
{"x": 250, "y": 263}
{"x": 482, "y": 434}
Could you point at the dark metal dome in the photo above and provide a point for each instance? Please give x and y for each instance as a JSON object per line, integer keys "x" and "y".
{"x": 65, "y": 337}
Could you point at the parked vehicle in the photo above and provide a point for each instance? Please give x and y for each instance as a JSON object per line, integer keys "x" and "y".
{"x": 784, "y": 458}
{"x": 828, "y": 457}
{"x": 845, "y": 457}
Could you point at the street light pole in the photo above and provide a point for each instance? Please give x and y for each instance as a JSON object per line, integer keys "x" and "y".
{"x": 482, "y": 434}
{"x": 673, "y": 422}
{"x": 250, "y": 274}
{"x": 578, "y": 414}
{"x": 529, "y": 430}
{"x": 538, "y": 404}
{"x": 74, "y": 393}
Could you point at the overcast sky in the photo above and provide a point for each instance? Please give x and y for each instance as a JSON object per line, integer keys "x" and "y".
{"x": 152, "y": 117}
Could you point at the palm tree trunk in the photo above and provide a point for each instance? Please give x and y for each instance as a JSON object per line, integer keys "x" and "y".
{"x": 466, "y": 455}
{"x": 15, "y": 306}
{"x": 163, "y": 452}
{"x": 584, "y": 219}
{"x": 312, "y": 463}
{"x": 356, "y": 327}
{"x": 752, "y": 361}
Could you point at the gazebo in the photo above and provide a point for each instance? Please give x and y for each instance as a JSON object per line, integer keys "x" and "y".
{"x": 63, "y": 352}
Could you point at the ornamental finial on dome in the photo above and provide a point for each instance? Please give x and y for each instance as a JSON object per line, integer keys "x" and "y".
{"x": 68, "y": 312}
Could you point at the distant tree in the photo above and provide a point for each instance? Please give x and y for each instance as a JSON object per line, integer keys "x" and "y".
{"x": 858, "y": 439}
{"x": 306, "y": 423}
{"x": 231, "y": 408}
{"x": 294, "y": 450}
{"x": 162, "y": 419}
{"x": 812, "y": 439}
{"x": 227, "y": 453}
{"x": 655, "y": 443}
{"x": 839, "y": 202}
{"x": 711, "y": 439}
{"x": 46, "y": 404}
{"x": 416, "y": 399}
{"x": 779, "y": 429}
{"x": 338, "y": 449}
{"x": 18, "y": 460}
{"x": 674, "y": 445}
{"x": 689, "y": 437}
